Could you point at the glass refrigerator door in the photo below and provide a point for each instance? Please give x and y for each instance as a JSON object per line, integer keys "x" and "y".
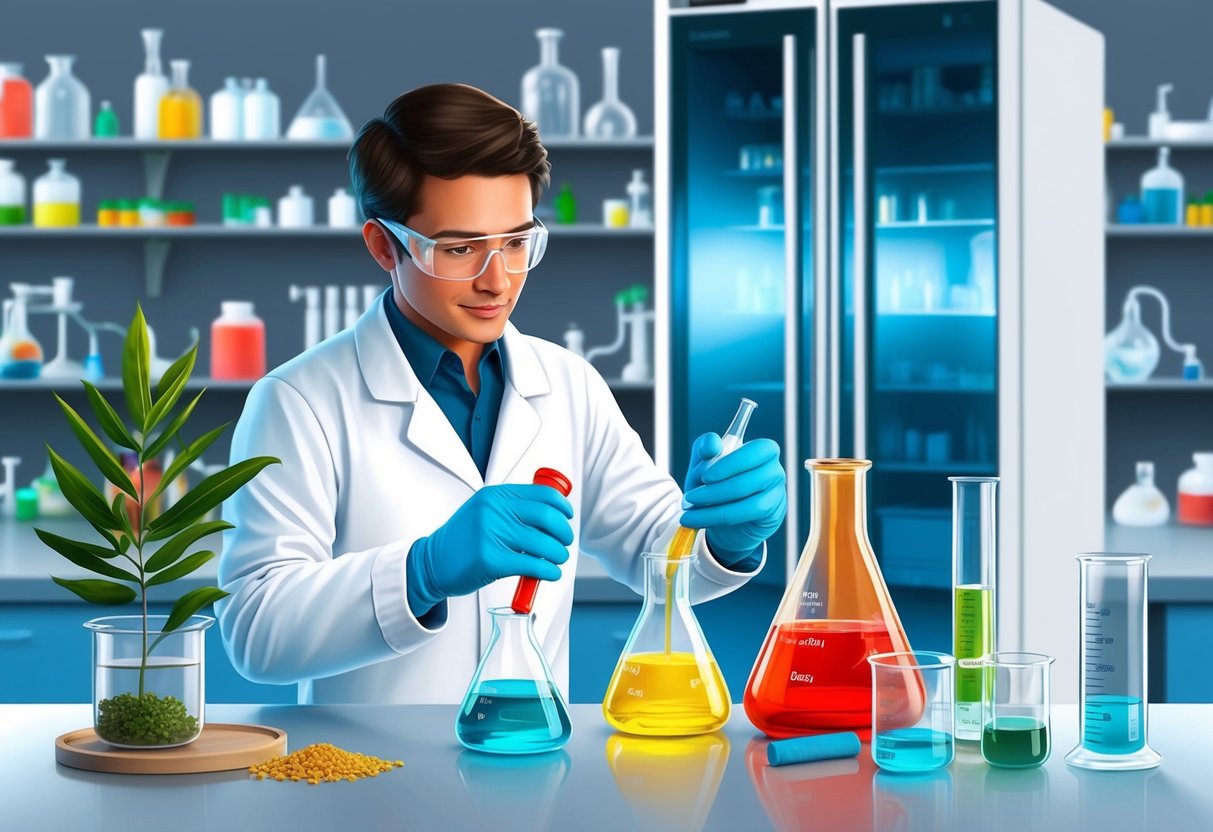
{"x": 741, "y": 129}
{"x": 917, "y": 131}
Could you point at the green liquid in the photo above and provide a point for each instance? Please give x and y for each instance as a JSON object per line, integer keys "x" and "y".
{"x": 973, "y": 634}
{"x": 12, "y": 215}
{"x": 1016, "y": 742}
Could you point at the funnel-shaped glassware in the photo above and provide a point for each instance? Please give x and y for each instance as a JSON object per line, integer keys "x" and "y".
{"x": 551, "y": 93}
{"x": 181, "y": 106}
{"x": 512, "y": 705}
{"x": 667, "y": 682}
{"x": 610, "y": 118}
{"x": 62, "y": 107}
{"x": 974, "y": 544}
{"x": 812, "y": 674}
{"x": 320, "y": 117}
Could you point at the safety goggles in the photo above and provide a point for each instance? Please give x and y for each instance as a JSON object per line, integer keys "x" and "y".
{"x": 466, "y": 258}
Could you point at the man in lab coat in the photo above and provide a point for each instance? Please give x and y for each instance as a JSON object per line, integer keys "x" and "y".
{"x": 362, "y": 567}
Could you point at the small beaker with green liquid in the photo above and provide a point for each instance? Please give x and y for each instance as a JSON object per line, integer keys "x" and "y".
{"x": 1015, "y": 730}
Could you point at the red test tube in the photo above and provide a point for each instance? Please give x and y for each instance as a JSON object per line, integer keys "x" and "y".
{"x": 524, "y": 596}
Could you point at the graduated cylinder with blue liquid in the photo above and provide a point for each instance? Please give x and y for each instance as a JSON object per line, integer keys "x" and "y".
{"x": 512, "y": 705}
{"x": 1113, "y": 697}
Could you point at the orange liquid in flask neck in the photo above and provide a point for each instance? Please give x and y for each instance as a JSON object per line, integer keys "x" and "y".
{"x": 680, "y": 547}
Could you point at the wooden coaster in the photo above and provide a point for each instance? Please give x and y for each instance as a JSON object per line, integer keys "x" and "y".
{"x": 220, "y": 747}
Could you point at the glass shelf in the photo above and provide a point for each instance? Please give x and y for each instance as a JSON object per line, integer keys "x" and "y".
{"x": 1151, "y": 230}
{"x": 1146, "y": 143}
{"x": 1169, "y": 385}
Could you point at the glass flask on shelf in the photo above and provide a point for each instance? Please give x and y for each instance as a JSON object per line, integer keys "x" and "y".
{"x": 610, "y": 118}
{"x": 16, "y": 103}
{"x": 181, "y": 107}
{"x": 61, "y": 103}
{"x": 20, "y": 353}
{"x": 512, "y": 705}
{"x": 667, "y": 682}
{"x": 551, "y": 94}
{"x": 812, "y": 674}
{"x": 56, "y": 197}
{"x": 1142, "y": 504}
{"x": 320, "y": 117}
{"x": 12, "y": 194}
{"x": 1130, "y": 350}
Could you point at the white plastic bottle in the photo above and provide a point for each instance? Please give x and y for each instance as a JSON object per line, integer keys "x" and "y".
{"x": 262, "y": 118}
{"x": 295, "y": 210}
{"x": 12, "y": 195}
{"x": 227, "y": 111}
{"x": 343, "y": 213}
{"x": 641, "y": 196}
{"x": 1142, "y": 504}
{"x": 56, "y": 197}
{"x": 150, "y": 86}
{"x": 1162, "y": 190}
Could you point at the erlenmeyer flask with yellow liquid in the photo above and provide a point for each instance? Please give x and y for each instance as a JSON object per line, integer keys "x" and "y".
{"x": 812, "y": 674}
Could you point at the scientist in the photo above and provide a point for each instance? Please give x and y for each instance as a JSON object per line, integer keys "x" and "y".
{"x": 362, "y": 566}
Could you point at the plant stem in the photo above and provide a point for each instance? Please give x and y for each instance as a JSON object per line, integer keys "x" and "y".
{"x": 142, "y": 576}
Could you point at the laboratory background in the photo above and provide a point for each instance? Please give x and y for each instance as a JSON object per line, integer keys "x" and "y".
{"x": 962, "y": 240}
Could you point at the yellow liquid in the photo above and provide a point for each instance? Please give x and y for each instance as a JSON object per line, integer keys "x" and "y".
{"x": 666, "y": 695}
{"x": 56, "y": 214}
{"x": 680, "y": 547}
{"x": 181, "y": 115}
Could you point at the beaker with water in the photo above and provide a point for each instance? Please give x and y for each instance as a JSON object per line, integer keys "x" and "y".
{"x": 667, "y": 682}
{"x": 812, "y": 675}
{"x": 913, "y": 718}
{"x": 512, "y": 705}
{"x": 1112, "y": 625}
{"x": 974, "y": 543}
{"x": 320, "y": 116}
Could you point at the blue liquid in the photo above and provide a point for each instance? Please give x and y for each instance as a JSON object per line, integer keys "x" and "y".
{"x": 21, "y": 369}
{"x": 1113, "y": 724}
{"x": 513, "y": 716}
{"x": 1161, "y": 205}
{"x": 912, "y": 749}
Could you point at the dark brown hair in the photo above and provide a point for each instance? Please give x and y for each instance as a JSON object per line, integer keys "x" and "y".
{"x": 443, "y": 130}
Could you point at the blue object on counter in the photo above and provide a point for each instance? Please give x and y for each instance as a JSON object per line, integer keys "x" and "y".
{"x": 1130, "y": 211}
{"x": 811, "y": 749}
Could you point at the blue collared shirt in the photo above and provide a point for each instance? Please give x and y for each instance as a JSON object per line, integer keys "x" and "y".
{"x": 473, "y": 416}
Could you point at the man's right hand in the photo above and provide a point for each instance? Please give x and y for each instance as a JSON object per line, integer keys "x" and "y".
{"x": 501, "y": 531}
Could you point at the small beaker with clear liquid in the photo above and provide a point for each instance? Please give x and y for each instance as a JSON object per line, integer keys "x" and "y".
{"x": 512, "y": 705}
{"x": 667, "y": 682}
{"x": 1113, "y": 664}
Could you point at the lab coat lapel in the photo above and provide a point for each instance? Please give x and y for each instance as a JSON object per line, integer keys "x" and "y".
{"x": 518, "y": 423}
{"x": 390, "y": 378}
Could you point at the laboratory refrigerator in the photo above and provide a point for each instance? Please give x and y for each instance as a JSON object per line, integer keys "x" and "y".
{"x": 881, "y": 221}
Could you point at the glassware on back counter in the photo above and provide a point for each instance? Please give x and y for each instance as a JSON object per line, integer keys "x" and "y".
{"x": 320, "y": 116}
{"x": 62, "y": 105}
{"x": 610, "y": 118}
{"x": 1142, "y": 504}
{"x": 150, "y": 87}
{"x": 551, "y": 93}
{"x": 16, "y": 103}
{"x": 812, "y": 674}
{"x": 56, "y": 197}
{"x": 181, "y": 106}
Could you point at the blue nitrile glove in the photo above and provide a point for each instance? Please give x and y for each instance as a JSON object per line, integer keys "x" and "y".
{"x": 740, "y": 500}
{"x": 501, "y": 530}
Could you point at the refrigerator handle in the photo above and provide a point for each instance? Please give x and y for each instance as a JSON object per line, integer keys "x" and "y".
{"x": 791, "y": 272}
{"x": 859, "y": 272}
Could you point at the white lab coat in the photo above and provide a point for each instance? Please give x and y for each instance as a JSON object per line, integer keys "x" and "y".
{"x": 316, "y": 563}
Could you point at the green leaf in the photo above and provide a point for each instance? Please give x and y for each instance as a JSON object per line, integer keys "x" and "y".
{"x": 99, "y": 592}
{"x": 172, "y": 387}
{"x": 175, "y": 548}
{"x": 212, "y": 491}
{"x": 86, "y": 556}
{"x": 183, "y": 459}
{"x": 106, "y": 464}
{"x": 170, "y": 431}
{"x": 83, "y": 495}
{"x": 136, "y": 370}
{"x": 108, "y": 417}
{"x": 118, "y": 508}
{"x": 190, "y": 603}
{"x": 181, "y": 568}
{"x": 124, "y": 544}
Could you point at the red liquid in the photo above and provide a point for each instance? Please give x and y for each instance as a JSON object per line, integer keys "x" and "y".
{"x": 16, "y": 108}
{"x": 238, "y": 351}
{"x": 1196, "y": 509}
{"x": 814, "y": 676}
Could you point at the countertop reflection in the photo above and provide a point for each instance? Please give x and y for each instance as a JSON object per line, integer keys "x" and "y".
{"x": 601, "y": 780}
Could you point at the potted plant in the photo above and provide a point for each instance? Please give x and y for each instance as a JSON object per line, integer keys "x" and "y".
{"x": 148, "y": 679}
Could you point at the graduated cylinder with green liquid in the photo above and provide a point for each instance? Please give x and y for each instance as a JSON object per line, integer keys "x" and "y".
{"x": 974, "y": 548}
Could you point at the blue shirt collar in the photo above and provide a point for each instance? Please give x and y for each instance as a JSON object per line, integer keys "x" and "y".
{"x": 421, "y": 350}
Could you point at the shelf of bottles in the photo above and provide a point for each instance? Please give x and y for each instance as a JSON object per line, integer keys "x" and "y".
{"x": 236, "y": 231}
{"x": 70, "y": 385}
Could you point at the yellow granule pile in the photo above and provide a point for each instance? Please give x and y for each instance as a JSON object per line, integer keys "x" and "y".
{"x": 322, "y": 762}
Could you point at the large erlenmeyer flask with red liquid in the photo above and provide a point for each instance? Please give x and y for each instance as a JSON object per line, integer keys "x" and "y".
{"x": 812, "y": 674}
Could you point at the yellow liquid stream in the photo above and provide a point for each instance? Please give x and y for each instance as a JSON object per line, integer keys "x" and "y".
{"x": 56, "y": 214}
{"x": 666, "y": 695}
{"x": 680, "y": 547}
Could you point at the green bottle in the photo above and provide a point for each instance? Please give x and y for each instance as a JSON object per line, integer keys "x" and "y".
{"x": 565, "y": 205}
{"x": 106, "y": 124}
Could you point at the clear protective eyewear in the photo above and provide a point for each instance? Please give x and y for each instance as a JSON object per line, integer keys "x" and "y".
{"x": 466, "y": 258}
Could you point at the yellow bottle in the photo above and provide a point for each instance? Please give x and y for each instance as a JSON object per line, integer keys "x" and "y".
{"x": 1192, "y": 212}
{"x": 667, "y": 685}
{"x": 1206, "y": 209}
{"x": 56, "y": 197}
{"x": 181, "y": 107}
